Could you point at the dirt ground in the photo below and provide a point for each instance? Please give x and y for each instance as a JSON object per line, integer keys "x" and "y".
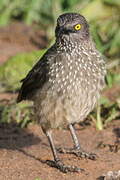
{"x": 18, "y": 37}
{"x": 23, "y": 152}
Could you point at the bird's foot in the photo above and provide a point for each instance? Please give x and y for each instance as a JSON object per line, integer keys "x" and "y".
{"x": 78, "y": 152}
{"x": 62, "y": 167}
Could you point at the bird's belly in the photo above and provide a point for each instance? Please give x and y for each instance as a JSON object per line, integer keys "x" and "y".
{"x": 59, "y": 110}
{"x": 78, "y": 106}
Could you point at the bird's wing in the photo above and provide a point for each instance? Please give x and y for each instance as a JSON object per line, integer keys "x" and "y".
{"x": 36, "y": 78}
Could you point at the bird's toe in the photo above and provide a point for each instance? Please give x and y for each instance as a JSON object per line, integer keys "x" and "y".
{"x": 64, "y": 168}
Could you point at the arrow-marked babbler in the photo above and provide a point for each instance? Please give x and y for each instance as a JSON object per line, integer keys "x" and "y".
{"x": 65, "y": 83}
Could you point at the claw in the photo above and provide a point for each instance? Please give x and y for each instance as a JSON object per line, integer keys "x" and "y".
{"x": 62, "y": 167}
{"x": 84, "y": 154}
{"x": 78, "y": 153}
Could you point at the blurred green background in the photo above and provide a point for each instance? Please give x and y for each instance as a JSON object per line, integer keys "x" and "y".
{"x": 104, "y": 19}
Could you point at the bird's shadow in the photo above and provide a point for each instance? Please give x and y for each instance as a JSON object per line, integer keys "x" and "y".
{"x": 116, "y": 131}
{"x": 12, "y": 137}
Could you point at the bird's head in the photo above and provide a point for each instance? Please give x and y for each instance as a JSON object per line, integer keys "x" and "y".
{"x": 72, "y": 25}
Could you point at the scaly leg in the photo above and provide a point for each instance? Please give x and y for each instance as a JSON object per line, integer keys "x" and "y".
{"x": 57, "y": 163}
{"x": 77, "y": 150}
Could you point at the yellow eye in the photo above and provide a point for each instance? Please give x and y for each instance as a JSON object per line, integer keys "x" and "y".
{"x": 77, "y": 27}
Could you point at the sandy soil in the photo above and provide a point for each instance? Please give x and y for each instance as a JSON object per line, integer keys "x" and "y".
{"x": 23, "y": 152}
{"x": 18, "y": 37}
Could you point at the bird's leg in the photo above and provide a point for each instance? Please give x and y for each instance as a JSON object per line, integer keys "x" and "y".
{"x": 74, "y": 137}
{"x": 77, "y": 150}
{"x": 57, "y": 163}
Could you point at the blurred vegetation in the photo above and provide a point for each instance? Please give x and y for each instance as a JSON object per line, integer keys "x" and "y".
{"x": 105, "y": 112}
{"x": 104, "y": 19}
{"x": 12, "y": 71}
{"x": 103, "y": 15}
{"x": 37, "y": 179}
{"x": 20, "y": 113}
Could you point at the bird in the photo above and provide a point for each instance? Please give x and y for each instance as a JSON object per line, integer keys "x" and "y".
{"x": 65, "y": 84}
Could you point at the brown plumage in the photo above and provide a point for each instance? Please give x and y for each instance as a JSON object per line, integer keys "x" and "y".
{"x": 66, "y": 82}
